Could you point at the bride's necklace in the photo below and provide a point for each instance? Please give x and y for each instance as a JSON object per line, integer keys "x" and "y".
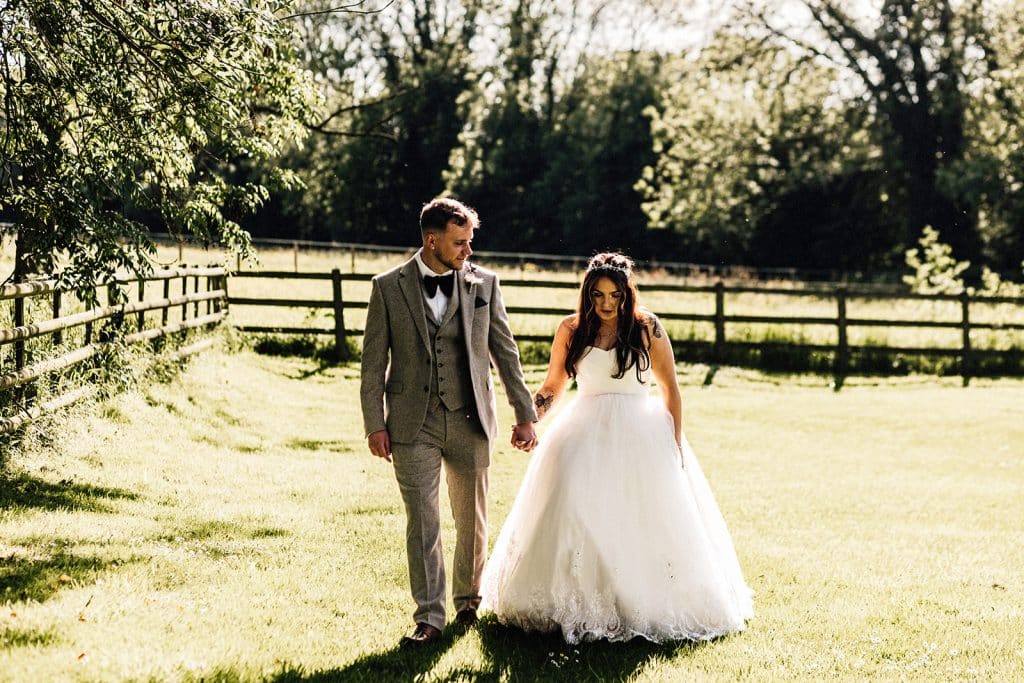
{"x": 605, "y": 336}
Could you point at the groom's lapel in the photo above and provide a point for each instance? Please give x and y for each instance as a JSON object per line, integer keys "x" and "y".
{"x": 467, "y": 296}
{"x": 409, "y": 282}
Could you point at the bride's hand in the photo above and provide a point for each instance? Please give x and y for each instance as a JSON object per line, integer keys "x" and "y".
{"x": 524, "y": 437}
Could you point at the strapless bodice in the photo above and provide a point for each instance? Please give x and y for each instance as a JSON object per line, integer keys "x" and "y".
{"x": 594, "y": 375}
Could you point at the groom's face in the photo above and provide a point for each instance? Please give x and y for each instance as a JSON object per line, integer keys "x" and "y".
{"x": 452, "y": 247}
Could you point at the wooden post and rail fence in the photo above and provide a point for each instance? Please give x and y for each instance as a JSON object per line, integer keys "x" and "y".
{"x": 965, "y": 352}
{"x": 201, "y": 294}
{"x": 184, "y": 288}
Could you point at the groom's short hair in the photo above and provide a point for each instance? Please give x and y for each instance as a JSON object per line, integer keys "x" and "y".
{"x": 437, "y": 214}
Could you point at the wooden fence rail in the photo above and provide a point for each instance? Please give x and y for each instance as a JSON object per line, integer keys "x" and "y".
{"x": 966, "y": 352}
{"x": 208, "y": 290}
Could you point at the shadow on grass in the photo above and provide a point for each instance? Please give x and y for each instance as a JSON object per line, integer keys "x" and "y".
{"x": 509, "y": 654}
{"x": 332, "y": 445}
{"x": 396, "y": 664}
{"x": 326, "y": 356}
{"x": 12, "y": 637}
{"x": 33, "y": 578}
{"x": 22, "y": 490}
{"x": 321, "y": 368}
{"x": 220, "y": 529}
{"x": 514, "y": 655}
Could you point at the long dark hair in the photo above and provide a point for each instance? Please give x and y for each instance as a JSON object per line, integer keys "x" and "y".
{"x": 631, "y": 339}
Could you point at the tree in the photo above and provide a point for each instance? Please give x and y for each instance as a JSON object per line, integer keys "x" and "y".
{"x": 759, "y": 162}
{"x": 990, "y": 175}
{"x": 915, "y": 67}
{"x": 119, "y": 107}
{"x": 556, "y": 133}
{"x": 523, "y": 108}
{"x": 393, "y": 81}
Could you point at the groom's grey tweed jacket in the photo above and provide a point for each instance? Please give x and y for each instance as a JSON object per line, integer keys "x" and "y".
{"x": 399, "y": 365}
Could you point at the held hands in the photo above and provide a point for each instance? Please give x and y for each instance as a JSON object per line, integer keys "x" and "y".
{"x": 524, "y": 437}
{"x": 380, "y": 444}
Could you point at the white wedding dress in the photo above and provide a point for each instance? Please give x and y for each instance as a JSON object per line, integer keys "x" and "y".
{"x": 611, "y": 536}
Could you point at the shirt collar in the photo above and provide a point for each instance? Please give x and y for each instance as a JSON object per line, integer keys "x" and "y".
{"x": 425, "y": 269}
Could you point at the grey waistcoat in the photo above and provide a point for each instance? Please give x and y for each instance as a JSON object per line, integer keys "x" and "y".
{"x": 450, "y": 380}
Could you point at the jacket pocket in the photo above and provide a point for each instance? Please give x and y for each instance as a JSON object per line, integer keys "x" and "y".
{"x": 393, "y": 388}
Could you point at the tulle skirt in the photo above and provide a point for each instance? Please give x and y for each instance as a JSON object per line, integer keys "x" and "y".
{"x": 615, "y": 534}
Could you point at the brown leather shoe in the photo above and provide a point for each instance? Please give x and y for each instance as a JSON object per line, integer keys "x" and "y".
{"x": 466, "y": 618}
{"x": 424, "y": 633}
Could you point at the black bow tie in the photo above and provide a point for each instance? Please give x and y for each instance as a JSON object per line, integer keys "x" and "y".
{"x": 447, "y": 283}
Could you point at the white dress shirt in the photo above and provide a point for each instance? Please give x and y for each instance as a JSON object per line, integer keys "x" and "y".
{"x": 437, "y": 304}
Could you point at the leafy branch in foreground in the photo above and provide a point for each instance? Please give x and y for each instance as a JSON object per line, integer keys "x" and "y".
{"x": 117, "y": 112}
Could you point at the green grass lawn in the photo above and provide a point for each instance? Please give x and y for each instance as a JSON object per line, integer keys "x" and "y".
{"x": 231, "y": 526}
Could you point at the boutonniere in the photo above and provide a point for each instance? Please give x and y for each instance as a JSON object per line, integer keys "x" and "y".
{"x": 471, "y": 277}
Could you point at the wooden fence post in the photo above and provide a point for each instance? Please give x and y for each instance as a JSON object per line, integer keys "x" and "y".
{"x": 352, "y": 257}
{"x": 339, "y": 315}
{"x": 142, "y": 314}
{"x": 719, "y": 320}
{"x": 224, "y": 286}
{"x": 967, "y": 358}
{"x": 57, "y": 339}
{"x": 108, "y": 331}
{"x": 19, "y": 321}
{"x": 842, "y": 344}
{"x": 295, "y": 256}
{"x": 58, "y": 335}
{"x": 165, "y": 311}
{"x": 195, "y": 304}
{"x": 184, "y": 291}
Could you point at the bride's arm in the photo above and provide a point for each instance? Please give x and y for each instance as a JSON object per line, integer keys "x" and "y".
{"x": 663, "y": 365}
{"x": 557, "y": 378}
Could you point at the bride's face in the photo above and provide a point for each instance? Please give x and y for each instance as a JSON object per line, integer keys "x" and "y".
{"x": 607, "y": 298}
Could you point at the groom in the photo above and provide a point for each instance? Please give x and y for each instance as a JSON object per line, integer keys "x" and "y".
{"x": 433, "y": 326}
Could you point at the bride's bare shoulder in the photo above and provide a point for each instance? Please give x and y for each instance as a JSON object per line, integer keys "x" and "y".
{"x": 566, "y": 328}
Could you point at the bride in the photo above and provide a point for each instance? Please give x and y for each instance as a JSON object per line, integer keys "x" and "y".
{"x": 614, "y": 532}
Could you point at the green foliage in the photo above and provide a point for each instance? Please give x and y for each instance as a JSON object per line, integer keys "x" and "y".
{"x": 832, "y": 144}
{"x": 935, "y": 270}
{"x": 827, "y": 144}
{"x": 544, "y": 139}
{"x": 534, "y": 353}
{"x": 556, "y": 168}
{"x": 393, "y": 80}
{"x": 743, "y": 127}
{"x": 775, "y": 145}
{"x": 115, "y": 110}
{"x": 993, "y": 284}
{"x": 989, "y": 174}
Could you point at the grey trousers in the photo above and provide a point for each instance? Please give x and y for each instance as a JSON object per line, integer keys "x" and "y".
{"x": 455, "y": 438}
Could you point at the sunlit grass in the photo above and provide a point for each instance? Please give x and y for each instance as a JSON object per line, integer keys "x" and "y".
{"x": 231, "y": 526}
